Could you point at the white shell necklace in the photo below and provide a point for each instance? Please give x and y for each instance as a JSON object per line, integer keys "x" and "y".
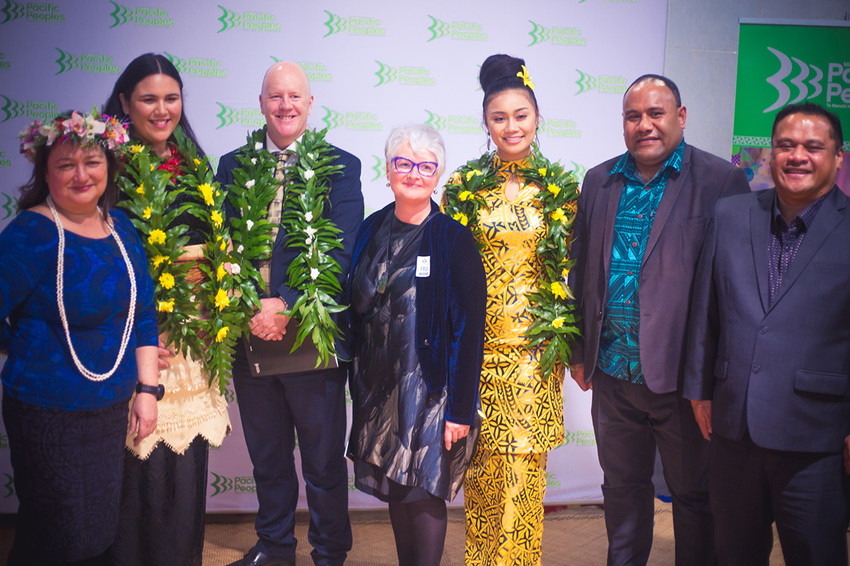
{"x": 60, "y": 286}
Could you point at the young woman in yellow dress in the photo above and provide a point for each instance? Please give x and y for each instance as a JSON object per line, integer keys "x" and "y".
{"x": 518, "y": 206}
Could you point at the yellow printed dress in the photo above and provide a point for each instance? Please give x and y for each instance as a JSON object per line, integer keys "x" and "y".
{"x": 523, "y": 413}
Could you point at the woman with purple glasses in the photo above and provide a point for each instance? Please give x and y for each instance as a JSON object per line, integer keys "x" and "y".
{"x": 417, "y": 301}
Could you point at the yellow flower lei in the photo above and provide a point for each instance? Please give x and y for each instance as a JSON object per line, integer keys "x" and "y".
{"x": 554, "y": 324}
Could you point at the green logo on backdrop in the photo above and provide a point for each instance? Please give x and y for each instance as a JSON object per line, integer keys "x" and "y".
{"x": 41, "y": 12}
{"x": 247, "y": 21}
{"x": 579, "y": 438}
{"x": 98, "y": 63}
{"x": 250, "y": 117}
{"x": 10, "y": 207}
{"x": 579, "y": 171}
{"x": 332, "y": 119}
{"x": 379, "y": 168}
{"x": 32, "y": 109}
{"x": 459, "y": 31}
{"x": 316, "y": 72}
{"x": 4, "y": 65}
{"x": 143, "y": 16}
{"x": 780, "y": 65}
{"x": 603, "y": 84}
{"x": 552, "y": 480}
{"x": 407, "y": 75}
{"x": 354, "y": 25}
{"x": 356, "y": 121}
{"x": 559, "y": 128}
{"x": 236, "y": 484}
{"x": 9, "y": 485}
{"x": 556, "y": 35}
{"x": 198, "y": 66}
{"x": 455, "y": 123}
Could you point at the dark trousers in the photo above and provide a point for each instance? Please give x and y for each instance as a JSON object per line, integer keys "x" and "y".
{"x": 805, "y": 493}
{"x": 630, "y": 421}
{"x": 272, "y": 410}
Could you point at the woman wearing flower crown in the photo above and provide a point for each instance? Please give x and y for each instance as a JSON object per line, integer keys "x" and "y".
{"x": 520, "y": 208}
{"x": 81, "y": 335}
{"x": 164, "y": 495}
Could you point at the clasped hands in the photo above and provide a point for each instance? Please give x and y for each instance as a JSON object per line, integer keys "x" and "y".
{"x": 268, "y": 323}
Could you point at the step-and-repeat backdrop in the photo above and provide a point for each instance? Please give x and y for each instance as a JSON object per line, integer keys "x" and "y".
{"x": 373, "y": 65}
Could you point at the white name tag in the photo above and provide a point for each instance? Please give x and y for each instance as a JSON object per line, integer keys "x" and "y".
{"x": 423, "y": 266}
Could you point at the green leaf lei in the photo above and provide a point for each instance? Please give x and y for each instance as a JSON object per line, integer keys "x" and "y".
{"x": 554, "y": 323}
{"x": 204, "y": 320}
{"x": 314, "y": 271}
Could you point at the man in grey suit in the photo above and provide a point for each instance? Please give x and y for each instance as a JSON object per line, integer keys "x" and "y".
{"x": 769, "y": 353}
{"x": 641, "y": 223}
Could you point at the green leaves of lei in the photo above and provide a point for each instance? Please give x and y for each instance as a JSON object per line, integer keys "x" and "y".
{"x": 314, "y": 271}
{"x": 204, "y": 320}
{"x": 554, "y": 325}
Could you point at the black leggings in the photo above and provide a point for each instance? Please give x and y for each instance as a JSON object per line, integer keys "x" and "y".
{"x": 420, "y": 531}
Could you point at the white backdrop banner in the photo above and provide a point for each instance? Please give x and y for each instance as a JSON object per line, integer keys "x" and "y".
{"x": 373, "y": 64}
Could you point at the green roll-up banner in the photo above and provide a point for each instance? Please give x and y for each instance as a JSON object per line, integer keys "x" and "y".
{"x": 783, "y": 62}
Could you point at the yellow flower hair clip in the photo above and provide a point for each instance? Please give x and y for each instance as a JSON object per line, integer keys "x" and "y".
{"x": 526, "y": 79}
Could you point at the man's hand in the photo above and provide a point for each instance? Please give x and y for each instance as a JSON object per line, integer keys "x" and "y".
{"x": 454, "y": 432}
{"x": 268, "y": 324}
{"x": 577, "y": 371}
{"x": 702, "y": 413}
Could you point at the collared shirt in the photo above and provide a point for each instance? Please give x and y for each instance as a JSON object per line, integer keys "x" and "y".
{"x": 619, "y": 350}
{"x": 784, "y": 242}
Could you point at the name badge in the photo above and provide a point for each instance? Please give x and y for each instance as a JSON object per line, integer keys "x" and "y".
{"x": 423, "y": 266}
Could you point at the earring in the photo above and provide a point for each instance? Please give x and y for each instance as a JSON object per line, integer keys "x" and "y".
{"x": 488, "y": 143}
{"x": 388, "y": 183}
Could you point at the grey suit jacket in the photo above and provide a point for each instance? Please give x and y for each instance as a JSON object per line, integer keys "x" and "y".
{"x": 779, "y": 371}
{"x": 669, "y": 263}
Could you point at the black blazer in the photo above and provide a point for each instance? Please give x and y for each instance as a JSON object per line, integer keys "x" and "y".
{"x": 669, "y": 263}
{"x": 344, "y": 208}
{"x": 780, "y": 371}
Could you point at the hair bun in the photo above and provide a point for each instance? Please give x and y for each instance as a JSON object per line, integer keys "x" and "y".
{"x": 498, "y": 70}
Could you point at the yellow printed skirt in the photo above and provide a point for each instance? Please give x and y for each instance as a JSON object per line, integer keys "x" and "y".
{"x": 503, "y": 501}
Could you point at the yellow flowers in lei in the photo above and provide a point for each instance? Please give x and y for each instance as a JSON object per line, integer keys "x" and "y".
{"x": 200, "y": 319}
{"x": 554, "y": 325}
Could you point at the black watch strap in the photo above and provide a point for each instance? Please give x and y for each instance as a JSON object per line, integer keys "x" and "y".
{"x": 157, "y": 391}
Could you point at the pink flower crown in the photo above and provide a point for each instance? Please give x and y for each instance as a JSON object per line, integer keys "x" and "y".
{"x": 81, "y": 129}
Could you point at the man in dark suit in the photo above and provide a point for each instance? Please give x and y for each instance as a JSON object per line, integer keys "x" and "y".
{"x": 769, "y": 353}
{"x": 273, "y": 408}
{"x": 641, "y": 222}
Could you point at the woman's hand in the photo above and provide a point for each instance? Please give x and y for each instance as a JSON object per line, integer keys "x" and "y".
{"x": 455, "y": 432}
{"x": 143, "y": 412}
{"x": 162, "y": 354}
{"x": 143, "y": 416}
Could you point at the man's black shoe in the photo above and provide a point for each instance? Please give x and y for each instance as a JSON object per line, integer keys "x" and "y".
{"x": 257, "y": 557}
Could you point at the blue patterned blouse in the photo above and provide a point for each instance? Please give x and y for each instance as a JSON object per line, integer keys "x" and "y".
{"x": 40, "y": 370}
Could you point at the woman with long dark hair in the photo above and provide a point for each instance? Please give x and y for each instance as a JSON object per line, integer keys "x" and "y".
{"x": 164, "y": 495}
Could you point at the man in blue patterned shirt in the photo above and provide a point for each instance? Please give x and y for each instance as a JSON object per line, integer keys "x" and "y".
{"x": 641, "y": 223}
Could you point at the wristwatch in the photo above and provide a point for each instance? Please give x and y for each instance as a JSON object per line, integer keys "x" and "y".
{"x": 157, "y": 391}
